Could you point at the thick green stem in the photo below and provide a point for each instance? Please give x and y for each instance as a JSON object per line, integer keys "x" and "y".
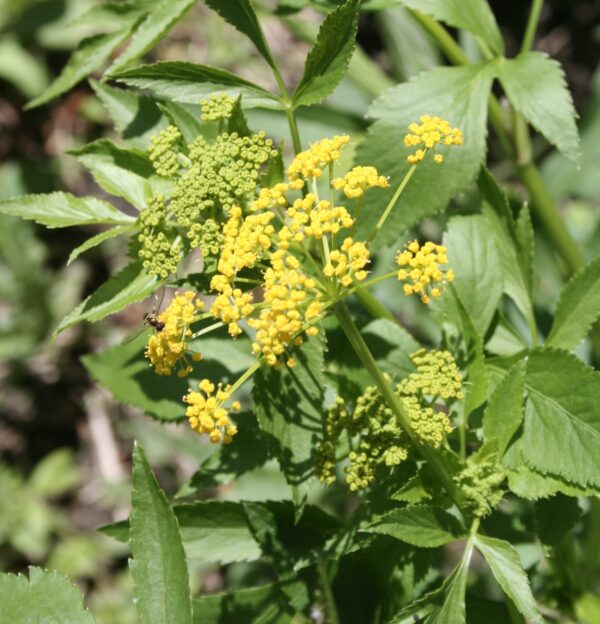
{"x": 331, "y": 612}
{"x": 394, "y": 403}
{"x": 375, "y": 308}
{"x": 550, "y": 217}
{"x": 532, "y": 23}
{"x": 293, "y": 124}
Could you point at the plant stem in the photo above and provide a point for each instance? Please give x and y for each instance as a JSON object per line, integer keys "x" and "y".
{"x": 293, "y": 124}
{"x": 394, "y": 403}
{"x": 532, "y": 23}
{"x": 375, "y": 308}
{"x": 392, "y": 202}
{"x": 331, "y": 612}
{"x": 240, "y": 381}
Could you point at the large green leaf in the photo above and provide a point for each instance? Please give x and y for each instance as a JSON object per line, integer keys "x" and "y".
{"x": 47, "y": 597}
{"x": 89, "y": 56}
{"x": 241, "y": 15}
{"x": 158, "y": 565}
{"x": 266, "y": 604}
{"x": 474, "y": 257}
{"x": 190, "y": 82}
{"x": 536, "y": 87}
{"x": 458, "y": 94}
{"x": 289, "y": 407}
{"x": 562, "y": 421}
{"x": 578, "y": 307}
{"x": 504, "y": 562}
{"x": 94, "y": 241}
{"x": 125, "y": 372}
{"x": 56, "y": 210}
{"x": 328, "y": 59}
{"x": 136, "y": 117}
{"x": 130, "y": 285}
{"x": 126, "y": 173}
{"x": 152, "y": 29}
{"x": 420, "y": 525}
{"x": 504, "y": 413}
{"x": 472, "y": 15}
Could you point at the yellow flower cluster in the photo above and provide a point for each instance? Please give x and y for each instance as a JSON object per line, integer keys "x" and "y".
{"x": 289, "y": 307}
{"x": 168, "y": 346}
{"x": 348, "y": 262}
{"x": 310, "y": 163}
{"x": 316, "y": 219}
{"x": 231, "y": 306}
{"x": 358, "y": 180}
{"x": 243, "y": 240}
{"x": 273, "y": 197}
{"x": 206, "y": 413}
{"x": 430, "y": 425}
{"x": 423, "y": 275}
{"x": 429, "y": 133}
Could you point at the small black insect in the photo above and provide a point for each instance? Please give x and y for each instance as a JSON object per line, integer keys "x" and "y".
{"x": 150, "y": 319}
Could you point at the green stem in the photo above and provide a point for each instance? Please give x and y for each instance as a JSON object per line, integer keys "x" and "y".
{"x": 240, "y": 381}
{"x": 394, "y": 403}
{"x": 373, "y": 306}
{"x": 293, "y": 124}
{"x": 207, "y": 330}
{"x": 331, "y": 612}
{"x": 550, "y": 217}
{"x": 532, "y": 23}
{"x": 392, "y": 202}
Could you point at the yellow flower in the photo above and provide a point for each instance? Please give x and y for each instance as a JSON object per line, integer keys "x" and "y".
{"x": 291, "y": 302}
{"x": 358, "y": 180}
{"x": 348, "y": 263}
{"x": 316, "y": 219}
{"x": 310, "y": 163}
{"x": 168, "y": 346}
{"x": 430, "y": 132}
{"x": 423, "y": 275}
{"x": 231, "y": 306}
{"x": 206, "y": 413}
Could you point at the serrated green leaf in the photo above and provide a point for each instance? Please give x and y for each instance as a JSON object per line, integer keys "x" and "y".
{"x": 266, "y": 604}
{"x": 458, "y": 94}
{"x": 231, "y": 461}
{"x": 526, "y": 244}
{"x": 424, "y": 526}
{"x": 136, "y": 117}
{"x": 506, "y": 567}
{"x": 472, "y": 15}
{"x": 452, "y": 610}
{"x": 190, "y": 82}
{"x": 56, "y": 210}
{"x": 241, "y": 15}
{"x": 289, "y": 408}
{"x": 180, "y": 116}
{"x": 555, "y": 517}
{"x": 94, "y": 241}
{"x": 474, "y": 257}
{"x": 562, "y": 422}
{"x": 536, "y": 87}
{"x": 47, "y": 597}
{"x": 130, "y": 285}
{"x": 577, "y": 309}
{"x": 504, "y": 413}
{"x": 159, "y": 21}
{"x": 158, "y": 566}
{"x": 126, "y": 173}
{"x": 89, "y": 56}
{"x": 328, "y": 59}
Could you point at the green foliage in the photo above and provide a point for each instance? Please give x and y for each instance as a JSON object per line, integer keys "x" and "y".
{"x": 96, "y": 240}
{"x": 130, "y": 285}
{"x": 57, "y": 210}
{"x": 472, "y": 15}
{"x": 158, "y": 566}
{"x": 44, "y": 597}
{"x": 328, "y": 60}
{"x": 289, "y": 405}
{"x": 562, "y": 426}
{"x": 555, "y": 517}
{"x": 536, "y": 87}
{"x": 504, "y": 412}
{"x": 424, "y": 526}
{"x": 577, "y": 309}
{"x": 459, "y": 94}
{"x": 504, "y": 562}
{"x": 188, "y": 82}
